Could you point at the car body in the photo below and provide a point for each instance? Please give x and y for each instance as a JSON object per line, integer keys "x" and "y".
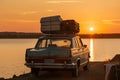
{"x": 58, "y": 52}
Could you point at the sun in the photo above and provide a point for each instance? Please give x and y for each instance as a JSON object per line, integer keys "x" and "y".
{"x": 91, "y": 28}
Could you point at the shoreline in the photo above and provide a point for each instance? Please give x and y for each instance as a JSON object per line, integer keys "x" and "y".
{"x": 95, "y": 72}
{"x": 22, "y": 35}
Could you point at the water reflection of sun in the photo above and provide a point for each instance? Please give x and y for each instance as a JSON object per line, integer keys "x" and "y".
{"x": 91, "y": 50}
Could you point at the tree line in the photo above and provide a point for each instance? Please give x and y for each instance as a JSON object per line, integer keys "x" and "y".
{"x": 18, "y": 35}
{"x": 37, "y": 35}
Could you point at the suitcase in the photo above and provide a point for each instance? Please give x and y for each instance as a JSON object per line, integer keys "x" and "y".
{"x": 70, "y": 26}
{"x": 51, "y": 25}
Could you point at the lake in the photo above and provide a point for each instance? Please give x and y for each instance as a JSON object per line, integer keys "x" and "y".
{"x": 12, "y": 53}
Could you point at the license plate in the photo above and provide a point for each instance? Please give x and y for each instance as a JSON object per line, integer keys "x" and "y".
{"x": 49, "y": 61}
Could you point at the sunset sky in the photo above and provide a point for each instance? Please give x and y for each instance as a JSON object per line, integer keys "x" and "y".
{"x": 24, "y": 15}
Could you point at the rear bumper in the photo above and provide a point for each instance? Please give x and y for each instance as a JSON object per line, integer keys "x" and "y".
{"x": 50, "y": 65}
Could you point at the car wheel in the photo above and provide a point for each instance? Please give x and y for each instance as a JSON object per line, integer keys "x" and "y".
{"x": 75, "y": 72}
{"x": 35, "y": 71}
{"x": 86, "y": 67}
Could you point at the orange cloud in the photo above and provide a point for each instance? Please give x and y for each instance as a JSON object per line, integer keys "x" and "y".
{"x": 30, "y": 12}
{"x": 50, "y": 10}
{"x": 19, "y": 20}
{"x": 112, "y": 21}
{"x": 65, "y": 1}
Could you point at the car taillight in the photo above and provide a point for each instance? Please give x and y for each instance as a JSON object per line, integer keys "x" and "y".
{"x": 26, "y": 54}
{"x": 70, "y": 54}
{"x": 68, "y": 60}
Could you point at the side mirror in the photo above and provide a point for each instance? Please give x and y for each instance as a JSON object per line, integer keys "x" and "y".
{"x": 84, "y": 46}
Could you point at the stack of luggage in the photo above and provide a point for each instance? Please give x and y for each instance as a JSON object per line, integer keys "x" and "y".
{"x": 69, "y": 26}
{"x": 55, "y": 25}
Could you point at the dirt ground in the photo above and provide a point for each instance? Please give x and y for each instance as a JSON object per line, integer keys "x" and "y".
{"x": 96, "y": 72}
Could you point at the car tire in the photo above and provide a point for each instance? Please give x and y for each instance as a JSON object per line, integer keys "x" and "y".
{"x": 75, "y": 71}
{"x": 86, "y": 67}
{"x": 35, "y": 71}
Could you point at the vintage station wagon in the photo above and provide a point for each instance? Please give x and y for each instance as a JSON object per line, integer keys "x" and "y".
{"x": 51, "y": 52}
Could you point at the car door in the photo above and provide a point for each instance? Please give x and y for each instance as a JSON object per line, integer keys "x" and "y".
{"x": 80, "y": 49}
{"x": 85, "y": 51}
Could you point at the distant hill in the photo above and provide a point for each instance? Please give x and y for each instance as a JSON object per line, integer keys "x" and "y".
{"x": 36, "y": 35}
